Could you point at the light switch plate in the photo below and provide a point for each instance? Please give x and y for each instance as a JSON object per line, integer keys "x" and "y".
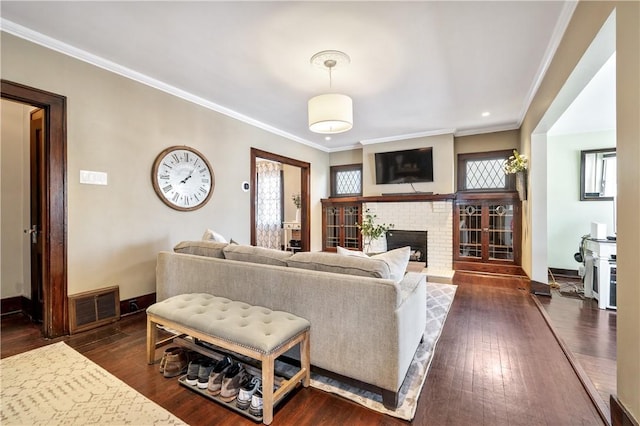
{"x": 93, "y": 178}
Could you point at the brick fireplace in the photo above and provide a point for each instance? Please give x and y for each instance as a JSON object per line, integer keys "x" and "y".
{"x": 417, "y": 240}
{"x": 434, "y": 217}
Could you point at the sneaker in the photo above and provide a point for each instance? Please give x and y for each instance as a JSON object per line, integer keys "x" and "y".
{"x": 217, "y": 374}
{"x": 246, "y": 392}
{"x": 204, "y": 372}
{"x": 193, "y": 370}
{"x": 176, "y": 363}
{"x": 235, "y": 378}
{"x": 255, "y": 408}
{"x": 168, "y": 351}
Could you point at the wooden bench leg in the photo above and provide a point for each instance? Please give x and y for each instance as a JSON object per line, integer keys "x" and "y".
{"x": 267, "y": 388}
{"x": 152, "y": 335}
{"x": 305, "y": 358}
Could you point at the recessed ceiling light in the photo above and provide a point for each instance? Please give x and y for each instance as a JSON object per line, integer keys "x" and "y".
{"x": 486, "y": 114}
{"x": 327, "y": 138}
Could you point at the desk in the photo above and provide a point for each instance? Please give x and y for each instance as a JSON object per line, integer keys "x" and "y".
{"x": 291, "y": 231}
{"x": 600, "y": 272}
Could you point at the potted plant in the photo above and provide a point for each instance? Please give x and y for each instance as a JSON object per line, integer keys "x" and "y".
{"x": 371, "y": 231}
{"x": 297, "y": 201}
{"x": 518, "y": 164}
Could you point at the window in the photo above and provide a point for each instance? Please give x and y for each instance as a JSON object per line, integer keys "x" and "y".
{"x": 483, "y": 171}
{"x": 346, "y": 181}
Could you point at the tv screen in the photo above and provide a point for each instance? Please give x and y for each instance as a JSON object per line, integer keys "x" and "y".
{"x": 414, "y": 165}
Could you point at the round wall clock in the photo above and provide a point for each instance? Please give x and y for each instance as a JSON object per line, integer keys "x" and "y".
{"x": 182, "y": 177}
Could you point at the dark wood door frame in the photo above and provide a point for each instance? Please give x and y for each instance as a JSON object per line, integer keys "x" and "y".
{"x": 55, "y": 314}
{"x": 305, "y": 186}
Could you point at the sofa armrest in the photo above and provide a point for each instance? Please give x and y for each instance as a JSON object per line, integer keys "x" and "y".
{"x": 409, "y": 284}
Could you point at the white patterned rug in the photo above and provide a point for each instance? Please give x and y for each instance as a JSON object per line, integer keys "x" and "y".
{"x": 439, "y": 299}
{"x": 55, "y": 385}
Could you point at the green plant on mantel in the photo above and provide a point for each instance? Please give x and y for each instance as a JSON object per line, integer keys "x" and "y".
{"x": 370, "y": 231}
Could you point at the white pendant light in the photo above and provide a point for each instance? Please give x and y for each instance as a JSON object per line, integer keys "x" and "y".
{"x": 332, "y": 112}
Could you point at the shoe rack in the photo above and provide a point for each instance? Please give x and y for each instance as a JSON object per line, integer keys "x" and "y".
{"x": 251, "y": 366}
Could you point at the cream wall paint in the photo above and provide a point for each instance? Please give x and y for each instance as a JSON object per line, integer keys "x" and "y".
{"x": 443, "y": 165}
{"x": 291, "y": 186}
{"x": 496, "y": 141}
{"x": 118, "y": 126}
{"x": 568, "y": 218}
{"x": 340, "y": 158}
{"x": 585, "y": 23}
{"x": 15, "y": 251}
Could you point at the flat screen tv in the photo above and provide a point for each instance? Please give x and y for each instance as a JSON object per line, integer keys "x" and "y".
{"x": 410, "y": 166}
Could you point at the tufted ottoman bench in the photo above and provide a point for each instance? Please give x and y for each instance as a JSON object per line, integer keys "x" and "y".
{"x": 253, "y": 331}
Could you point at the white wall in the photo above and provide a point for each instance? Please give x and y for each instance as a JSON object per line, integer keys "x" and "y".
{"x": 15, "y": 278}
{"x": 119, "y": 126}
{"x": 568, "y": 218}
{"x": 443, "y": 166}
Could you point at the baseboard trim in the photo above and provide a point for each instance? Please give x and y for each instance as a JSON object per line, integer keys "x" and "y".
{"x": 587, "y": 384}
{"x": 136, "y": 304}
{"x": 569, "y": 273}
{"x": 620, "y": 416}
{"x": 13, "y": 305}
{"x": 540, "y": 289}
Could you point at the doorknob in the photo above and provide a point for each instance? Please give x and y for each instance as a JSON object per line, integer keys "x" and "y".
{"x": 34, "y": 233}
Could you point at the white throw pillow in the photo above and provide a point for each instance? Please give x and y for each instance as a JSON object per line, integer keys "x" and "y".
{"x": 213, "y": 235}
{"x": 346, "y": 252}
{"x": 397, "y": 259}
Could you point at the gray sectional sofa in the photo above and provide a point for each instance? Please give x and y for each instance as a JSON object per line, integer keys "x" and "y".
{"x": 366, "y": 319}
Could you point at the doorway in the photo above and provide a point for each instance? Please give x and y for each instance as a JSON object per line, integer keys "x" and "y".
{"x": 53, "y": 208}
{"x": 37, "y": 228}
{"x": 305, "y": 173}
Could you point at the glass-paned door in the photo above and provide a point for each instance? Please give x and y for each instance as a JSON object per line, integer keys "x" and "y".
{"x": 340, "y": 225}
{"x": 332, "y": 227}
{"x": 486, "y": 231}
{"x": 470, "y": 228}
{"x": 500, "y": 232}
{"x": 350, "y": 228}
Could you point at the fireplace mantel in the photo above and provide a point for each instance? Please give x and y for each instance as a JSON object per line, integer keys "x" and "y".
{"x": 393, "y": 198}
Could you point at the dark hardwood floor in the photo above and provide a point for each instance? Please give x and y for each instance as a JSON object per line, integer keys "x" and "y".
{"x": 590, "y": 334}
{"x": 497, "y": 363}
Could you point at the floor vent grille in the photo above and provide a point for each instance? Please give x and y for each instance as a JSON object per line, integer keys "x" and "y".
{"x": 93, "y": 309}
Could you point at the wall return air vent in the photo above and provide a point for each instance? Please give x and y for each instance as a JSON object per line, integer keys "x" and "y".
{"x": 93, "y": 308}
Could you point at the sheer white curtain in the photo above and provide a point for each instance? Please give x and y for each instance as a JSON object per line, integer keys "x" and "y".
{"x": 269, "y": 204}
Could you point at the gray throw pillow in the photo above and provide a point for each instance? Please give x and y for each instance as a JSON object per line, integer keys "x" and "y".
{"x": 253, "y": 254}
{"x": 332, "y": 262}
{"x": 208, "y": 248}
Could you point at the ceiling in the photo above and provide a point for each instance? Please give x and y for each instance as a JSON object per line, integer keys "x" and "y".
{"x": 417, "y": 68}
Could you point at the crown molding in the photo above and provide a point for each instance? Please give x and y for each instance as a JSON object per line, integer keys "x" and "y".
{"x": 408, "y": 136}
{"x": 483, "y": 130}
{"x": 84, "y": 56}
{"x": 558, "y": 32}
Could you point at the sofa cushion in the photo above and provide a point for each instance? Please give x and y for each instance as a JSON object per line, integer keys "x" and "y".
{"x": 397, "y": 259}
{"x": 332, "y": 262}
{"x": 201, "y": 248}
{"x": 267, "y": 256}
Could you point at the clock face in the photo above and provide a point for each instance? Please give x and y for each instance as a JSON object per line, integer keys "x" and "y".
{"x": 182, "y": 178}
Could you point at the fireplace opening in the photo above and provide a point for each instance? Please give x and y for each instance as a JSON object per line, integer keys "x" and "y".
{"x": 417, "y": 240}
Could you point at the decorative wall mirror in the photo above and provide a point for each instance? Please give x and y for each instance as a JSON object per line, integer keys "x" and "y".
{"x": 598, "y": 174}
